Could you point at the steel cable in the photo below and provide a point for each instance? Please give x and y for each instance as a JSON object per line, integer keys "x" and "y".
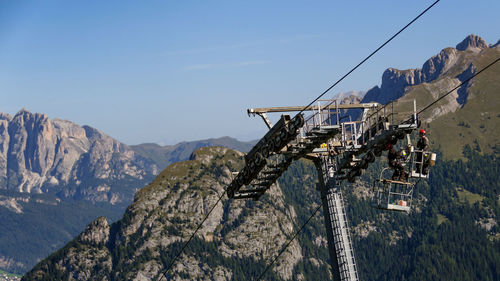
{"x": 314, "y": 213}
{"x": 369, "y": 56}
{"x": 326, "y": 91}
{"x": 165, "y": 272}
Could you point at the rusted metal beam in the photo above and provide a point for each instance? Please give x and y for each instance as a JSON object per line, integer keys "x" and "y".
{"x": 261, "y": 110}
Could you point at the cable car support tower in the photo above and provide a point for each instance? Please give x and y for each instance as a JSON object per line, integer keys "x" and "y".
{"x": 340, "y": 149}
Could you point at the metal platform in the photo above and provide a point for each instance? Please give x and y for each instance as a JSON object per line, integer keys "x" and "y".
{"x": 341, "y": 150}
{"x": 419, "y": 175}
{"x": 393, "y": 195}
{"x": 394, "y": 207}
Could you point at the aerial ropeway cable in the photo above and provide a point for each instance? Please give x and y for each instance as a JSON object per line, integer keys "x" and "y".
{"x": 370, "y": 55}
{"x": 297, "y": 122}
{"x": 321, "y": 204}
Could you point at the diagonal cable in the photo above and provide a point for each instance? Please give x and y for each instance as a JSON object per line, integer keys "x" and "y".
{"x": 369, "y": 56}
{"x": 165, "y": 272}
{"x": 317, "y": 209}
{"x": 288, "y": 243}
{"x": 460, "y": 85}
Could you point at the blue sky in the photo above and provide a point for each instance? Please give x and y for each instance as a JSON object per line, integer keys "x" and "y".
{"x": 168, "y": 71}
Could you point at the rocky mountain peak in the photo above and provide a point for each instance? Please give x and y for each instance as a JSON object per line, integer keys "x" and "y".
{"x": 395, "y": 82}
{"x": 40, "y": 155}
{"x": 23, "y": 111}
{"x": 96, "y": 233}
{"x": 24, "y": 115}
{"x": 5, "y": 116}
{"x": 472, "y": 42}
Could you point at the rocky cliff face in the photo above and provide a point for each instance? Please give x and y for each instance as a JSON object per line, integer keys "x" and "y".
{"x": 57, "y": 176}
{"x": 449, "y": 62}
{"x": 465, "y": 115}
{"x": 238, "y": 234}
{"x": 39, "y": 155}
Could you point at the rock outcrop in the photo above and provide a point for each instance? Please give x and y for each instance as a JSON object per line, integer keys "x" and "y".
{"x": 96, "y": 233}
{"x": 39, "y": 155}
{"x": 450, "y": 61}
{"x": 472, "y": 42}
{"x": 238, "y": 234}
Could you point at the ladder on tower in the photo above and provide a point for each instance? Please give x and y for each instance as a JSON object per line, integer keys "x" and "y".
{"x": 342, "y": 237}
{"x": 337, "y": 227}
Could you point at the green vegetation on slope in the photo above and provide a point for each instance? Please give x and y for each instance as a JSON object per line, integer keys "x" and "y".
{"x": 444, "y": 241}
{"x": 441, "y": 239}
{"x": 8, "y": 274}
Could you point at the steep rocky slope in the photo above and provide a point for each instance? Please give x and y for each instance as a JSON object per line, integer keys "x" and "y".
{"x": 243, "y": 233}
{"x": 39, "y": 155}
{"x": 55, "y": 177}
{"x": 449, "y": 62}
{"x": 466, "y": 116}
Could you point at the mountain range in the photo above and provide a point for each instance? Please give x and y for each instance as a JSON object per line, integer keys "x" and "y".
{"x": 242, "y": 236}
{"x": 57, "y": 176}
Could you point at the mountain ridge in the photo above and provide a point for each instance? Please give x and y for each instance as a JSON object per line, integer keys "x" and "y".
{"x": 165, "y": 155}
{"x": 48, "y": 156}
{"x": 466, "y": 115}
{"x": 395, "y": 82}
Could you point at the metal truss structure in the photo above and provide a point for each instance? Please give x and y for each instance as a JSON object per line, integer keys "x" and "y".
{"x": 340, "y": 149}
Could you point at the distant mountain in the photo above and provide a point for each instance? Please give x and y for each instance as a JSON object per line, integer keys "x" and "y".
{"x": 57, "y": 176}
{"x": 350, "y": 95}
{"x": 166, "y": 155}
{"x": 40, "y": 155}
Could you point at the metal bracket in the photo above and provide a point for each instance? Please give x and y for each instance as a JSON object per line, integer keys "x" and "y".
{"x": 266, "y": 120}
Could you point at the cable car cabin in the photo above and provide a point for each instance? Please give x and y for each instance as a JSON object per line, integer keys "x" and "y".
{"x": 393, "y": 195}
